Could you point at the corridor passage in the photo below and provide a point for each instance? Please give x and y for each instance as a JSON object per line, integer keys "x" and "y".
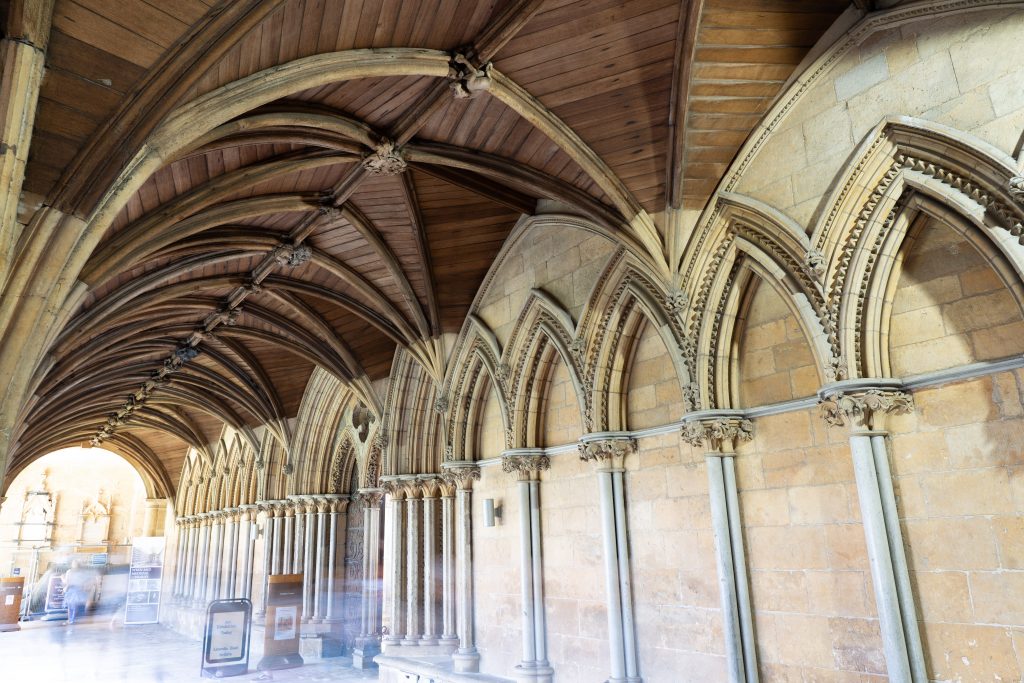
{"x": 51, "y": 652}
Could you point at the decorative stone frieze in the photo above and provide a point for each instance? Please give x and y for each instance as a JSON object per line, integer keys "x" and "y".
{"x": 717, "y": 431}
{"x": 864, "y": 408}
{"x": 607, "y": 452}
{"x": 385, "y": 159}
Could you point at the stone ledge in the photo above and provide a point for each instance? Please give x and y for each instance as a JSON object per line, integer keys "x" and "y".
{"x": 427, "y": 670}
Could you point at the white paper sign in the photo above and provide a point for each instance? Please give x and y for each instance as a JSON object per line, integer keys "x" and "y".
{"x": 285, "y": 619}
{"x": 226, "y": 636}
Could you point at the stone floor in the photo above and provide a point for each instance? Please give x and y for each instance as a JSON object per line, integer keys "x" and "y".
{"x": 50, "y": 652}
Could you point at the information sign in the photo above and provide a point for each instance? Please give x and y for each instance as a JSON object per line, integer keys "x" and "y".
{"x": 142, "y": 605}
{"x": 11, "y": 589}
{"x": 226, "y": 640}
{"x": 282, "y": 630}
{"x": 55, "y": 607}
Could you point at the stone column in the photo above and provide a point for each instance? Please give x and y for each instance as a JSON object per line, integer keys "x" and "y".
{"x": 191, "y": 551}
{"x": 368, "y": 643}
{"x": 865, "y": 405}
{"x": 155, "y": 517}
{"x": 527, "y": 465}
{"x": 429, "y": 488}
{"x": 299, "y": 544}
{"x": 202, "y": 557}
{"x": 337, "y": 539}
{"x": 216, "y": 558}
{"x": 318, "y": 569}
{"x": 449, "y": 633}
{"x": 231, "y": 573}
{"x": 720, "y": 431}
{"x": 394, "y": 563}
{"x": 461, "y": 475}
{"x": 268, "y": 532}
{"x": 608, "y": 455}
{"x": 309, "y": 523}
{"x": 248, "y": 518}
{"x": 275, "y": 547}
{"x": 413, "y": 508}
{"x": 287, "y": 551}
{"x": 181, "y": 528}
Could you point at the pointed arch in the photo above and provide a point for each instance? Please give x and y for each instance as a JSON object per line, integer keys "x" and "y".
{"x": 903, "y": 167}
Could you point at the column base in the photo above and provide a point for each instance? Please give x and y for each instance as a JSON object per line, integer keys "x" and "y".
{"x": 533, "y": 672}
{"x": 627, "y": 679}
{"x": 429, "y": 640}
{"x": 466, "y": 661}
{"x": 364, "y": 652}
{"x": 410, "y": 642}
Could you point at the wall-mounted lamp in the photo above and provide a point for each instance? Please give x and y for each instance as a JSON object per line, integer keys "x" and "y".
{"x": 491, "y": 512}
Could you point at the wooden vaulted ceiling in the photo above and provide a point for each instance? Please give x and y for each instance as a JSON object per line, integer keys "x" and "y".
{"x": 210, "y": 254}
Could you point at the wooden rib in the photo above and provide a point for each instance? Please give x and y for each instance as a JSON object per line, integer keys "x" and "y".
{"x": 686, "y": 44}
{"x": 95, "y": 165}
{"x": 412, "y": 206}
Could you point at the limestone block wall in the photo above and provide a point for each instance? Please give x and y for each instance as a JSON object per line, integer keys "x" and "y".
{"x": 950, "y": 307}
{"x": 959, "y": 471}
{"x": 951, "y": 70}
{"x": 814, "y": 610}
{"x": 574, "y": 586}
{"x": 498, "y": 625}
{"x": 679, "y": 626}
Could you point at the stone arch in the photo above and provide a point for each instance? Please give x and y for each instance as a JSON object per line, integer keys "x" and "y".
{"x": 627, "y": 299}
{"x": 478, "y": 367}
{"x": 749, "y": 234}
{"x": 543, "y": 327}
{"x": 903, "y": 167}
{"x": 770, "y": 356}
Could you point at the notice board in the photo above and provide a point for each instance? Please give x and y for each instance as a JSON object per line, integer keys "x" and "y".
{"x": 282, "y": 626}
{"x": 142, "y": 605}
{"x": 11, "y": 589}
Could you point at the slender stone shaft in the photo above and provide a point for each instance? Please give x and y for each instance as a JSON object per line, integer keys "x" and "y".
{"x": 429, "y": 560}
{"x": 308, "y": 569}
{"x": 318, "y": 570}
{"x": 448, "y": 566}
{"x": 412, "y": 575}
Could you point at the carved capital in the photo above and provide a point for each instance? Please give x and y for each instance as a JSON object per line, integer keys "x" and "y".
{"x": 525, "y": 465}
{"x": 385, "y": 159}
{"x": 720, "y": 432}
{"x": 371, "y": 497}
{"x": 863, "y": 408}
{"x": 461, "y": 475}
{"x": 429, "y": 484}
{"x": 393, "y": 486}
{"x": 607, "y": 453}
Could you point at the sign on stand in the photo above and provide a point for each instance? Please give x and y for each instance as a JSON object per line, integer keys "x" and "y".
{"x": 11, "y": 589}
{"x": 226, "y": 640}
{"x": 281, "y": 634}
{"x": 142, "y": 605}
{"x": 56, "y": 606}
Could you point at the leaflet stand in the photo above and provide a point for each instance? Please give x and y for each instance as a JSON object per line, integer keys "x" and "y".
{"x": 226, "y": 640}
{"x": 284, "y": 612}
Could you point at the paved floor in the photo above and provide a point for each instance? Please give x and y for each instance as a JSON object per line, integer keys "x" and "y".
{"x": 49, "y": 652}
